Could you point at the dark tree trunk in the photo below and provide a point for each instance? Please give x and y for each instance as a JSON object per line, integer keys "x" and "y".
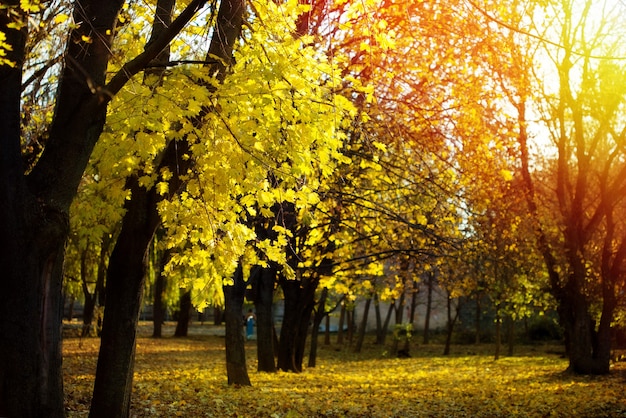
{"x": 379, "y": 321}
{"x": 318, "y": 316}
{"x": 498, "y": 336}
{"x": 34, "y": 210}
{"x": 288, "y": 330}
{"x": 477, "y": 318}
{"x": 327, "y": 331}
{"x": 430, "y": 284}
{"x": 351, "y": 324}
{"x": 588, "y": 349}
{"x": 235, "y": 343}
{"x": 363, "y": 327}
{"x": 218, "y": 315}
{"x": 299, "y": 304}
{"x": 342, "y": 321}
{"x": 126, "y": 276}
{"x": 264, "y": 281}
{"x": 452, "y": 318}
{"x": 510, "y": 331}
{"x": 413, "y": 306}
{"x": 184, "y": 314}
{"x": 159, "y": 293}
{"x": 158, "y": 313}
{"x": 90, "y": 298}
{"x": 70, "y": 310}
{"x": 381, "y": 333}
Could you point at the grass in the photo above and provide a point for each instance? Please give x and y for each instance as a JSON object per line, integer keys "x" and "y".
{"x": 186, "y": 377}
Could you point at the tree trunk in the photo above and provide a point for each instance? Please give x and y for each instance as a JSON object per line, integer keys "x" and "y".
{"x": 498, "y": 336}
{"x": 363, "y": 327}
{"x": 218, "y": 315}
{"x": 413, "y": 306}
{"x": 381, "y": 333}
{"x": 510, "y": 335}
{"x": 159, "y": 293}
{"x": 327, "y": 331}
{"x": 477, "y": 318}
{"x": 450, "y": 325}
{"x": 125, "y": 282}
{"x": 319, "y": 315}
{"x": 90, "y": 298}
{"x": 70, "y": 310}
{"x": 34, "y": 210}
{"x": 429, "y": 306}
{"x": 351, "y": 324}
{"x": 235, "y": 343}
{"x": 379, "y": 320}
{"x": 342, "y": 320}
{"x": 299, "y": 303}
{"x": 184, "y": 314}
{"x": 286, "y": 349}
{"x": 588, "y": 350}
{"x": 264, "y": 295}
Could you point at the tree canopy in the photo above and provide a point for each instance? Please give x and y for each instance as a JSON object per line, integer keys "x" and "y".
{"x": 355, "y": 147}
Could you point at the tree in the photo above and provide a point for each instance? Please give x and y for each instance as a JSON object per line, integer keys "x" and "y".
{"x": 127, "y": 266}
{"x": 583, "y": 241}
{"x": 36, "y": 199}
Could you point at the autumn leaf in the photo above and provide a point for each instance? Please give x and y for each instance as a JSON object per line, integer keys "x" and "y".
{"x": 187, "y": 377}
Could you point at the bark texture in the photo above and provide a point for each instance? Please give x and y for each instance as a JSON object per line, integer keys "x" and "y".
{"x": 235, "y": 342}
{"x": 34, "y": 218}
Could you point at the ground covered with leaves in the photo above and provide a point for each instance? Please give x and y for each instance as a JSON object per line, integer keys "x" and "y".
{"x": 187, "y": 377}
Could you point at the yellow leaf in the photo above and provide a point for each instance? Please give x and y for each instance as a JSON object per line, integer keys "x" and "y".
{"x": 60, "y": 18}
{"x": 506, "y": 175}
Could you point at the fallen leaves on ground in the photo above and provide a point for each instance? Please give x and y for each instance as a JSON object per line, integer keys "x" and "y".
{"x": 187, "y": 378}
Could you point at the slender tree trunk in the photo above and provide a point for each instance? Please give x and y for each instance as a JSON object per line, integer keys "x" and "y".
{"x": 90, "y": 298}
{"x": 510, "y": 335}
{"x": 184, "y": 314}
{"x": 70, "y": 310}
{"x": 414, "y": 293}
{"x": 159, "y": 294}
{"x": 342, "y": 320}
{"x": 351, "y": 324}
{"x": 498, "y": 335}
{"x": 265, "y": 280}
{"x": 399, "y": 319}
{"x": 381, "y": 333}
{"x": 451, "y": 322}
{"x": 379, "y": 321}
{"x": 288, "y": 328}
{"x": 218, "y": 315}
{"x": 320, "y": 313}
{"x": 235, "y": 343}
{"x": 477, "y": 318}
{"x": 429, "y": 306}
{"x": 327, "y": 331}
{"x": 363, "y": 327}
